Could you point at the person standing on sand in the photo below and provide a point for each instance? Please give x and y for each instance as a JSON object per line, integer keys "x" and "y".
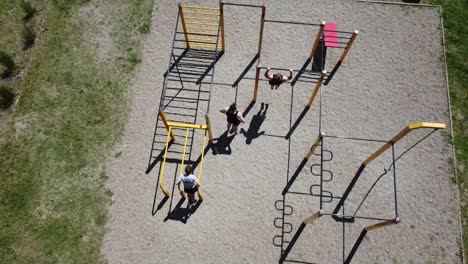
{"x": 191, "y": 184}
{"x": 277, "y": 79}
{"x": 234, "y": 117}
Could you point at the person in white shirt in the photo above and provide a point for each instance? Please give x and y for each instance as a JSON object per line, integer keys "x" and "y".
{"x": 190, "y": 183}
{"x": 277, "y": 79}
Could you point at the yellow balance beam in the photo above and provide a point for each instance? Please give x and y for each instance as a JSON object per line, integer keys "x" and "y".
{"x": 186, "y": 125}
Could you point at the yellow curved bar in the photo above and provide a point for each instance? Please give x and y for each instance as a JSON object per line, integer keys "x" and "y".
{"x": 183, "y": 153}
{"x": 163, "y": 167}
{"x": 400, "y": 135}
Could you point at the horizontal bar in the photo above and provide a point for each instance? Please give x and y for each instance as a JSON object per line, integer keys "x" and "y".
{"x": 356, "y": 138}
{"x": 201, "y": 7}
{"x": 201, "y": 13}
{"x": 185, "y": 125}
{"x": 292, "y": 22}
{"x": 338, "y": 31}
{"x": 201, "y": 18}
{"x": 200, "y": 33}
{"x": 202, "y": 23}
{"x": 360, "y": 217}
{"x": 201, "y": 28}
{"x": 379, "y": 225}
{"x": 235, "y": 4}
{"x": 427, "y": 125}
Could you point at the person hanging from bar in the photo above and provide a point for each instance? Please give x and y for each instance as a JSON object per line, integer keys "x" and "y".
{"x": 277, "y": 79}
{"x": 234, "y": 117}
{"x": 190, "y": 183}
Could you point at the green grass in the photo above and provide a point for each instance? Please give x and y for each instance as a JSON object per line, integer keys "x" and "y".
{"x": 28, "y": 9}
{"x": 456, "y": 36}
{"x": 7, "y": 97}
{"x": 29, "y": 36}
{"x": 72, "y": 110}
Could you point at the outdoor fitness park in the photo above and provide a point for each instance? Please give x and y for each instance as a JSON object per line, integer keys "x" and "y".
{"x": 331, "y": 170}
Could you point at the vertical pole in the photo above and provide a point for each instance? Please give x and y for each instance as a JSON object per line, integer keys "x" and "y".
{"x": 257, "y": 78}
{"x": 262, "y": 24}
{"x": 221, "y": 10}
{"x": 317, "y": 88}
{"x": 164, "y": 119}
{"x": 317, "y": 40}
{"x": 343, "y": 56}
{"x": 184, "y": 26}
{"x": 210, "y": 132}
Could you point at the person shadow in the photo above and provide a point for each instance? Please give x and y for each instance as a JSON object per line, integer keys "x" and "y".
{"x": 223, "y": 144}
{"x": 255, "y": 124}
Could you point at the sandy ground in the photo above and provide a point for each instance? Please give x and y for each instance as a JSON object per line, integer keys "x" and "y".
{"x": 393, "y": 76}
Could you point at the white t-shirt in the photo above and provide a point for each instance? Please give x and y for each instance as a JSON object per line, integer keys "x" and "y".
{"x": 189, "y": 181}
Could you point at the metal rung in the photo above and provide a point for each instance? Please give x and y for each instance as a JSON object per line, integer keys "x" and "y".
{"x": 201, "y": 13}
{"x": 200, "y": 33}
{"x": 201, "y": 18}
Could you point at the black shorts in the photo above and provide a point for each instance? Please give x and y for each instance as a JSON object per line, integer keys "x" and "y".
{"x": 191, "y": 190}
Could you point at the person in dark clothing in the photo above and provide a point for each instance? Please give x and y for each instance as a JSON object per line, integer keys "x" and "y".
{"x": 277, "y": 79}
{"x": 234, "y": 117}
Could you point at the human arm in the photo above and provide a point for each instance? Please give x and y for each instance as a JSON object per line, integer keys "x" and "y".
{"x": 267, "y": 74}
{"x": 290, "y": 75}
{"x": 224, "y": 110}
{"x": 240, "y": 117}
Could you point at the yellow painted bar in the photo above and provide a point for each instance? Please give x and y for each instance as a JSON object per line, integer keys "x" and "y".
{"x": 257, "y": 77}
{"x": 203, "y": 28}
{"x": 317, "y": 89}
{"x": 211, "y": 40}
{"x": 203, "y": 33}
{"x": 379, "y": 225}
{"x": 201, "y": 7}
{"x": 427, "y": 125}
{"x": 262, "y": 25}
{"x": 201, "y": 18}
{"x": 348, "y": 47}
{"x": 312, "y": 218}
{"x": 164, "y": 119}
{"x": 184, "y": 151}
{"x": 202, "y": 23}
{"x": 185, "y": 125}
{"x": 314, "y": 146}
{"x": 210, "y": 132}
{"x": 400, "y": 135}
{"x": 201, "y": 13}
{"x": 221, "y": 10}
{"x": 204, "y": 46}
{"x": 317, "y": 40}
{"x": 184, "y": 26}
{"x": 163, "y": 167}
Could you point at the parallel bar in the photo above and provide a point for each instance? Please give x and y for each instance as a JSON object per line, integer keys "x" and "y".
{"x": 201, "y": 13}
{"x": 291, "y": 22}
{"x": 184, "y": 26}
{"x": 164, "y": 119}
{"x": 221, "y": 11}
{"x": 163, "y": 167}
{"x": 186, "y": 125}
{"x": 257, "y": 77}
{"x": 262, "y": 25}
{"x": 235, "y": 4}
{"x": 317, "y": 40}
{"x": 201, "y": 7}
{"x": 316, "y": 90}
{"x": 210, "y": 132}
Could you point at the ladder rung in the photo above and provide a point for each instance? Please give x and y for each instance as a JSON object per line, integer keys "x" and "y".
{"x": 202, "y": 23}
{"x": 202, "y": 28}
{"x": 201, "y": 13}
{"x": 201, "y": 33}
{"x": 201, "y": 7}
{"x": 202, "y": 39}
{"x": 201, "y": 18}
